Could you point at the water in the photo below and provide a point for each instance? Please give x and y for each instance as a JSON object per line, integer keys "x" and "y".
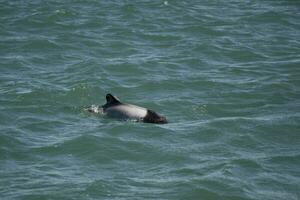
{"x": 225, "y": 74}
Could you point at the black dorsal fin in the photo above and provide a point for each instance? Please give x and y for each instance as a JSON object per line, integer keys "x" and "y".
{"x": 110, "y": 99}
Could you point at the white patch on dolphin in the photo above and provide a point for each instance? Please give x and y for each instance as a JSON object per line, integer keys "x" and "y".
{"x": 114, "y": 108}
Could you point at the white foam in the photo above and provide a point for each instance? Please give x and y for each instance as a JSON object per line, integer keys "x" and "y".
{"x": 94, "y": 109}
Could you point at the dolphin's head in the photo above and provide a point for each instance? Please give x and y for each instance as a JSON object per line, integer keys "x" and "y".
{"x": 153, "y": 117}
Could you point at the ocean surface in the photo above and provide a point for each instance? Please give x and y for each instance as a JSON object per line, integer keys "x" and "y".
{"x": 226, "y": 74}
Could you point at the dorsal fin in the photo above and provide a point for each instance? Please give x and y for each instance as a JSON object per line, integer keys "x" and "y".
{"x": 110, "y": 99}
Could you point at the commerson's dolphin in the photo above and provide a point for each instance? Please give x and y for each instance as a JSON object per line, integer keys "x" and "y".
{"x": 114, "y": 108}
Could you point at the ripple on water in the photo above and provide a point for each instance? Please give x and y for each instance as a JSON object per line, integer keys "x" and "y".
{"x": 226, "y": 75}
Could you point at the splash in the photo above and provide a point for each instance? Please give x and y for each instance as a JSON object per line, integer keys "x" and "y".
{"x": 94, "y": 109}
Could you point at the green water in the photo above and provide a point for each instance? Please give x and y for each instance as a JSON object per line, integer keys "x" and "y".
{"x": 226, "y": 74}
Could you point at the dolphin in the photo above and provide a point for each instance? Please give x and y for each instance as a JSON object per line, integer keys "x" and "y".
{"x": 114, "y": 108}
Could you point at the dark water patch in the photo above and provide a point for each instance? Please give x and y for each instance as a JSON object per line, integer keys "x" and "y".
{"x": 106, "y": 149}
{"x": 286, "y": 160}
{"x": 268, "y": 181}
{"x": 12, "y": 146}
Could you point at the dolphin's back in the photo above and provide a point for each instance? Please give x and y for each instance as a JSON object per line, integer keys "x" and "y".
{"x": 126, "y": 111}
{"x": 114, "y": 108}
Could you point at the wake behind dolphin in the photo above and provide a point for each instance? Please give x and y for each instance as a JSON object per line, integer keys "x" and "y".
{"x": 114, "y": 108}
